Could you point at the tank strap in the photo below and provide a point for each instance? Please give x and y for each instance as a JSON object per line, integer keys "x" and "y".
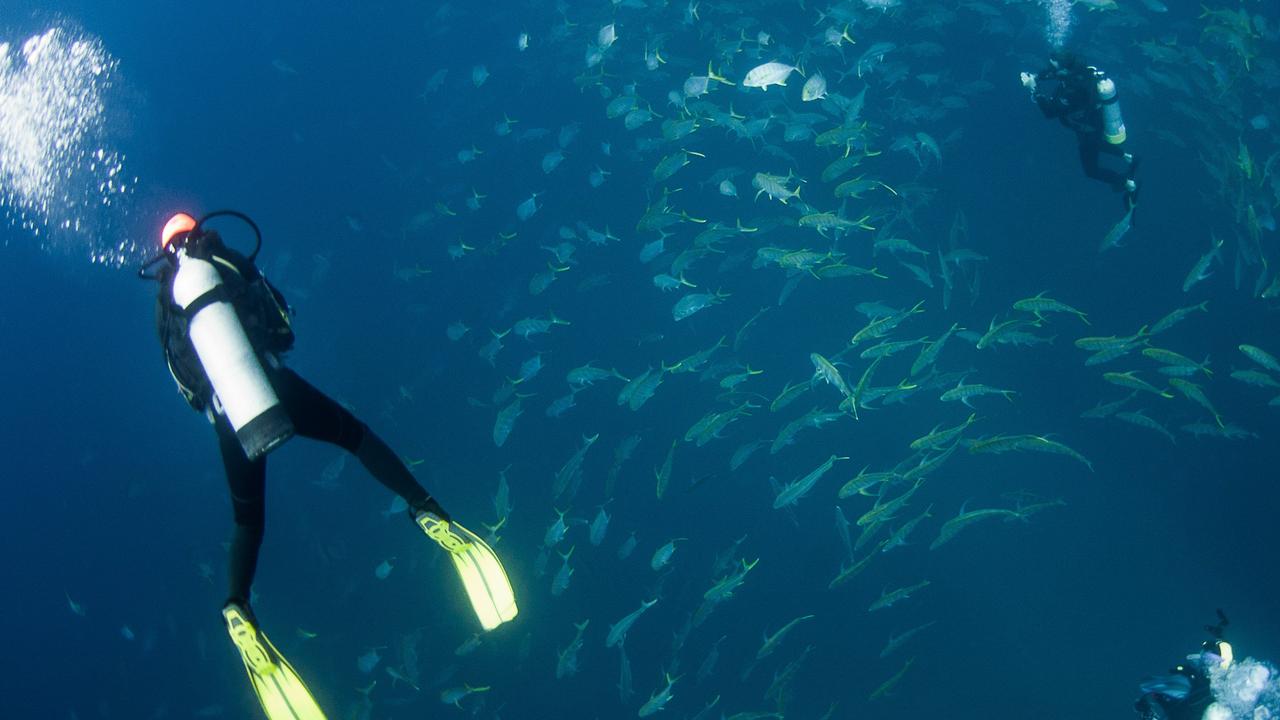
{"x": 204, "y": 300}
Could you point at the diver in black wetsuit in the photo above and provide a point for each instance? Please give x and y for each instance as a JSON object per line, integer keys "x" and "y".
{"x": 1185, "y": 693}
{"x": 1074, "y": 95}
{"x": 264, "y": 315}
{"x": 223, "y": 329}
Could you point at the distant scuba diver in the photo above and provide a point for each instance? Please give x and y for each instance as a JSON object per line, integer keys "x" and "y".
{"x": 223, "y": 328}
{"x": 1185, "y": 693}
{"x": 1084, "y": 99}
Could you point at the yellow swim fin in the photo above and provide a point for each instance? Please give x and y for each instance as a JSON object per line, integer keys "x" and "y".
{"x": 279, "y": 688}
{"x": 481, "y": 572}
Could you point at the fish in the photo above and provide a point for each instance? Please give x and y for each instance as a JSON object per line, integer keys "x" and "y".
{"x": 825, "y": 370}
{"x": 607, "y": 36}
{"x": 1195, "y": 393}
{"x": 965, "y": 518}
{"x": 792, "y": 492}
{"x": 1260, "y": 356}
{"x": 771, "y": 642}
{"x": 1039, "y": 305}
{"x": 537, "y": 325}
{"x": 556, "y": 531}
{"x": 937, "y": 437}
{"x": 1176, "y": 316}
{"x": 627, "y": 547}
{"x": 888, "y": 685}
{"x": 998, "y": 444}
{"x": 815, "y": 88}
{"x": 744, "y": 452}
{"x": 588, "y": 375}
{"x": 570, "y": 474}
{"x": 506, "y": 420}
{"x": 662, "y": 556}
{"x": 658, "y": 700}
{"x": 670, "y": 164}
{"x": 1117, "y": 232}
{"x": 1133, "y": 382}
{"x": 560, "y": 582}
{"x": 618, "y": 631}
{"x": 1176, "y": 363}
{"x": 469, "y": 645}
{"x": 1137, "y": 417}
{"x": 652, "y": 249}
{"x": 455, "y": 695}
{"x": 625, "y": 690}
{"x": 1200, "y": 271}
{"x": 768, "y": 74}
{"x": 551, "y": 161}
{"x": 562, "y": 404}
{"x": 1255, "y": 378}
{"x": 889, "y": 598}
{"x": 899, "y": 537}
{"x": 528, "y": 208}
{"x": 694, "y": 303}
{"x": 775, "y": 186}
{"x": 850, "y": 571}
{"x": 567, "y": 659}
{"x": 456, "y": 330}
{"x": 600, "y": 525}
{"x": 864, "y": 481}
{"x": 965, "y": 393}
{"x": 897, "y": 641}
{"x": 369, "y": 661}
{"x": 663, "y": 474}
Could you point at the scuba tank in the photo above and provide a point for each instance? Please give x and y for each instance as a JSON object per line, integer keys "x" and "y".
{"x": 1112, "y": 121}
{"x": 240, "y": 384}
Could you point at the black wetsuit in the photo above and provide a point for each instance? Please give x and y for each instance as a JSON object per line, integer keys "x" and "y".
{"x": 1073, "y": 100}
{"x": 314, "y": 415}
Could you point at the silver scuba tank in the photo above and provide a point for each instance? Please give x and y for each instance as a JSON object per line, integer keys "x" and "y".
{"x": 239, "y": 383}
{"x": 1112, "y": 121}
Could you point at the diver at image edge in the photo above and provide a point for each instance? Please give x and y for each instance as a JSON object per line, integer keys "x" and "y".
{"x": 1185, "y": 693}
{"x": 1084, "y": 99}
{"x": 223, "y": 328}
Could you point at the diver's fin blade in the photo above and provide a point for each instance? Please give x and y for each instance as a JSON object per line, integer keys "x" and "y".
{"x": 482, "y": 574}
{"x": 280, "y": 690}
{"x": 486, "y": 581}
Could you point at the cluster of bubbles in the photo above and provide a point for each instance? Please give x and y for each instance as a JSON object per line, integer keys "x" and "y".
{"x": 1245, "y": 690}
{"x": 1058, "y": 24}
{"x": 60, "y": 182}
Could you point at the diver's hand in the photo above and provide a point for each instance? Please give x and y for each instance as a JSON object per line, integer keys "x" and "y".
{"x": 1029, "y": 82}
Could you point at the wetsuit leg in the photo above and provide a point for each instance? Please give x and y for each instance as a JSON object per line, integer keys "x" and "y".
{"x": 247, "y": 482}
{"x": 317, "y": 416}
{"x": 1090, "y": 148}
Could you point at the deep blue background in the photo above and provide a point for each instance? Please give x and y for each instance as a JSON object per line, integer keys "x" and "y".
{"x": 115, "y": 491}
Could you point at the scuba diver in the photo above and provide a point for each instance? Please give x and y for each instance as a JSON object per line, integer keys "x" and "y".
{"x": 224, "y": 329}
{"x": 1185, "y": 693}
{"x": 1084, "y": 99}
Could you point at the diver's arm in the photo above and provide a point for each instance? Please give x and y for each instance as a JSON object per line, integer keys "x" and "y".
{"x": 1050, "y": 105}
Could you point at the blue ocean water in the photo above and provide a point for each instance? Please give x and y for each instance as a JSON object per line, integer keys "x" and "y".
{"x": 321, "y": 122}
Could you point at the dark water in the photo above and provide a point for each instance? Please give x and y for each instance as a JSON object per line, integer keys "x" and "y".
{"x": 116, "y": 496}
